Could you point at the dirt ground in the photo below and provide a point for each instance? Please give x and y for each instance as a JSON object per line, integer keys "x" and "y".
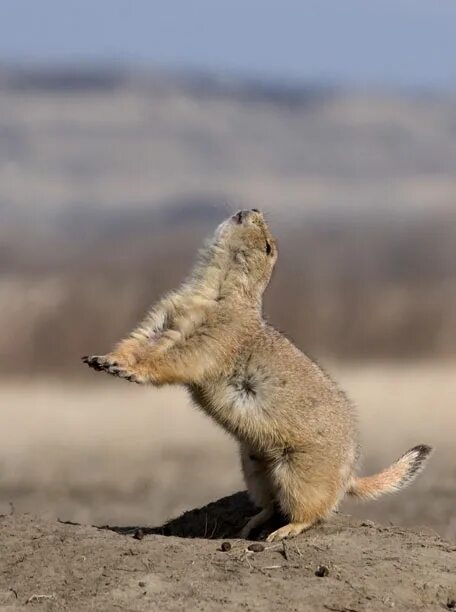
{"x": 345, "y": 565}
{"x": 110, "y": 453}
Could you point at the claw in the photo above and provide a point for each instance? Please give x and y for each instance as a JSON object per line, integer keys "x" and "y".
{"x": 93, "y": 362}
{"x": 102, "y": 363}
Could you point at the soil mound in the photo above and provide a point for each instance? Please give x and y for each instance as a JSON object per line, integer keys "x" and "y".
{"x": 195, "y": 563}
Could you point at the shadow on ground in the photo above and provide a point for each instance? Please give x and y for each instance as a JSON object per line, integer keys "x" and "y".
{"x": 220, "y": 519}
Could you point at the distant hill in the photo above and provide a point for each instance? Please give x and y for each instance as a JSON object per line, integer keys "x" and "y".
{"x": 110, "y": 180}
{"x": 105, "y": 138}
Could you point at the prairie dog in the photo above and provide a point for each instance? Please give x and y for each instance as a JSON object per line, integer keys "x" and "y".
{"x": 297, "y": 430}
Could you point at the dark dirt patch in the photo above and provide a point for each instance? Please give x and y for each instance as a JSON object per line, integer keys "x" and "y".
{"x": 221, "y": 519}
{"x": 48, "y": 565}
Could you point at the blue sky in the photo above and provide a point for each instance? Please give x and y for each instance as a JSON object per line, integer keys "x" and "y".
{"x": 360, "y": 42}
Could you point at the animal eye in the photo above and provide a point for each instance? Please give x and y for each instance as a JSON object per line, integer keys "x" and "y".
{"x": 268, "y": 248}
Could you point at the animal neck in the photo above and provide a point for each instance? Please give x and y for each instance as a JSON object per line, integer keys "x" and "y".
{"x": 217, "y": 277}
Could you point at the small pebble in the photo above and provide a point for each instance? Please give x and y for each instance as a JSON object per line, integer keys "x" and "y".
{"x": 139, "y": 534}
{"x": 256, "y": 547}
{"x": 321, "y": 571}
{"x": 225, "y": 546}
{"x": 141, "y": 583}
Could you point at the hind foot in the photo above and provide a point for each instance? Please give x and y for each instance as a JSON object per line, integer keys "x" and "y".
{"x": 256, "y": 521}
{"x": 105, "y": 363}
{"x": 288, "y": 531}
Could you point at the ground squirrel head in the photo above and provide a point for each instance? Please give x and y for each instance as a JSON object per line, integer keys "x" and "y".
{"x": 252, "y": 251}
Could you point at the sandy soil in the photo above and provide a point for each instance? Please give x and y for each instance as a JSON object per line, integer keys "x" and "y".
{"x": 107, "y": 452}
{"x": 345, "y": 565}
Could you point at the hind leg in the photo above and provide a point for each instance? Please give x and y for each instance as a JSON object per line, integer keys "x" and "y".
{"x": 259, "y": 488}
{"x": 288, "y": 531}
{"x": 256, "y": 521}
{"x": 306, "y": 496}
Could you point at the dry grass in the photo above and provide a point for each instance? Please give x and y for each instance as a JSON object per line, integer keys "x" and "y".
{"x": 108, "y": 452}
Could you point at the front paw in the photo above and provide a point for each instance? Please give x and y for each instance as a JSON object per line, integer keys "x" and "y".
{"x": 109, "y": 365}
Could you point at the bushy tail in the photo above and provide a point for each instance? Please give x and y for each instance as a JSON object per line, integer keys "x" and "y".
{"x": 400, "y": 474}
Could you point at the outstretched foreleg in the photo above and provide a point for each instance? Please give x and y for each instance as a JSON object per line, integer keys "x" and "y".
{"x": 166, "y": 360}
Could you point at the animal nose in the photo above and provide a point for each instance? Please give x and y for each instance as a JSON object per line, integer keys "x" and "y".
{"x": 242, "y": 215}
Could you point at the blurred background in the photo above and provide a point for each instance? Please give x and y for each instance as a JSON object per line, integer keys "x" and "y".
{"x": 128, "y": 131}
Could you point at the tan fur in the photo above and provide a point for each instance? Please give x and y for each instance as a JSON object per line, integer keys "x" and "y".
{"x": 397, "y": 476}
{"x": 296, "y": 429}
